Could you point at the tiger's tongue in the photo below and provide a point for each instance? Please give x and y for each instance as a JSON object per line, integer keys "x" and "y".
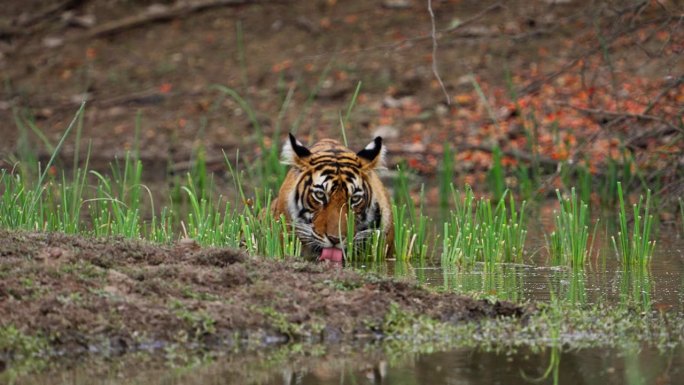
{"x": 332, "y": 254}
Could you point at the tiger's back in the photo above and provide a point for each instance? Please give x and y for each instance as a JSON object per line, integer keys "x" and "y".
{"x": 323, "y": 183}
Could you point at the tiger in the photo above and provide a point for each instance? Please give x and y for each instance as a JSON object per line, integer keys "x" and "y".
{"x": 322, "y": 183}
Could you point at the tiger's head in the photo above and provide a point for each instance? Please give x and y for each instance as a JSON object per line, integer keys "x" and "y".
{"x": 324, "y": 184}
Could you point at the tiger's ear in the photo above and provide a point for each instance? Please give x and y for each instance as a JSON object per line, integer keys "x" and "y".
{"x": 373, "y": 155}
{"x": 294, "y": 153}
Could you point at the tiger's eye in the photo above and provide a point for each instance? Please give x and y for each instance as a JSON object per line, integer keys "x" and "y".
{"x": 356, "y": 199}
{"x": 320, "y": 195}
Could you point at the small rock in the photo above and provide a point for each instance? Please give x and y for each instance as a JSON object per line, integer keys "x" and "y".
{"x": 277, "y": 25}
{"x": 79, "y": 98}
{"x": 52, "y": 42}
{"x": 188, "y": 244}
{"x": 44, "y": 113}
{"x": 83, "y": 21}
{"x": 156, "y": 9}
{"x": 386, "y": 132}
{"x": 441, "y": 110}
{"x": 391, "y": 102}
{"x": 397, "y": 4}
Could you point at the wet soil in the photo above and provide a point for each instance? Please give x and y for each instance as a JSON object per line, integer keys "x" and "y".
{"x": 90, "y": 294}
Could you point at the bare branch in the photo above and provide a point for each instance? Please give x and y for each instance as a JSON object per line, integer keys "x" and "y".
{"x": 621, "y": 115}
{"x": 180, "y": 8}
{"x": 434, "y": 53}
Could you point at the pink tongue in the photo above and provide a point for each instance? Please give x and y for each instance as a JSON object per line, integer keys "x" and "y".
{"x": 331, "y": 254}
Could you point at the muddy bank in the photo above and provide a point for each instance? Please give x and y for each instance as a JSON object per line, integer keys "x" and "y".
{"x": 84, "y": 294}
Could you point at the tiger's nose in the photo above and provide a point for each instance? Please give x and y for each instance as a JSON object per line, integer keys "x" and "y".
{"x": 334, "y": 240}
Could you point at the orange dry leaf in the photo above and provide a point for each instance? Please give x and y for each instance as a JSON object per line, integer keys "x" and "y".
{"x": 463, "y": 99}
{"x": 165, "y": 88}
{"x": 341, "y": 75}
{"x": 351, "y": 19}
{"x": 593, "y": 170}
{"x": 283, "y": 65}
{"x": 508, "y": 161}
{"x": 663, "y": 35}
{"x": 385, "y": 121}
{"x": 398, "y": 36}
{"x": 560, "y": 153}
{"x": 325, "y": 22}
{"x": 91, "y": 53}
{"x": 464, "y": 156}
{"x": 633, "y": 107}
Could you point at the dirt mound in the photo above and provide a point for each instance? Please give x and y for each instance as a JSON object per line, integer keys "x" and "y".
{"x": 84, "y": 293}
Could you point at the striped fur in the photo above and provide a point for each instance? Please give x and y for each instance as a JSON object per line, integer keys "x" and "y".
{"x": 322, "y": 182}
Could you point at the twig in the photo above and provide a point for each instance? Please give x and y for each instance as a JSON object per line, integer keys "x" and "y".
{"x": 544, "y": 161}
{"x": 570, "y": 160}
{"x": 403, "y": 42}
{"x": 29, "y": 25}
{"x": 621, "y": 115}
{"x": 610, "y": 40}
{"x": 662, "y": 93}
{"x": 217, "y": 163}
{"x": 434, "y": 53}
{"x": 49, "y": 11}
{"x": 535, "y": 85}
{"x": 474, "y": 18}
{"x": 180, "y": 8}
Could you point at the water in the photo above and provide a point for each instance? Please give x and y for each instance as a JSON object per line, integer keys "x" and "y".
{"x": 368, "y": 366}
{"x": 603, "y": 282}
{"x": 471, "y": 367}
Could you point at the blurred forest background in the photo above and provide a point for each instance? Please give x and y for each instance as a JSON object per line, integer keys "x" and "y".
{"x": 545, "y": 86}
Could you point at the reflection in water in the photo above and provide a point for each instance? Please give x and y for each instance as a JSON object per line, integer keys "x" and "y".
{"x": 551, "y": 365}
{"x": 635, "y": 289}
{"x": 568, "y": 286}
{"x": 503, "y": 281}
{"x": 603, "y": 282}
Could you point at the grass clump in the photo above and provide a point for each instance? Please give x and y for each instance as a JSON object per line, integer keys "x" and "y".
{"x": 569, "y": 242}
{"x": 371, "y": 248}
{"x": 410, "y": 224}
{"x": 635, "y": 246}
{"x": 480, "y": 231}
